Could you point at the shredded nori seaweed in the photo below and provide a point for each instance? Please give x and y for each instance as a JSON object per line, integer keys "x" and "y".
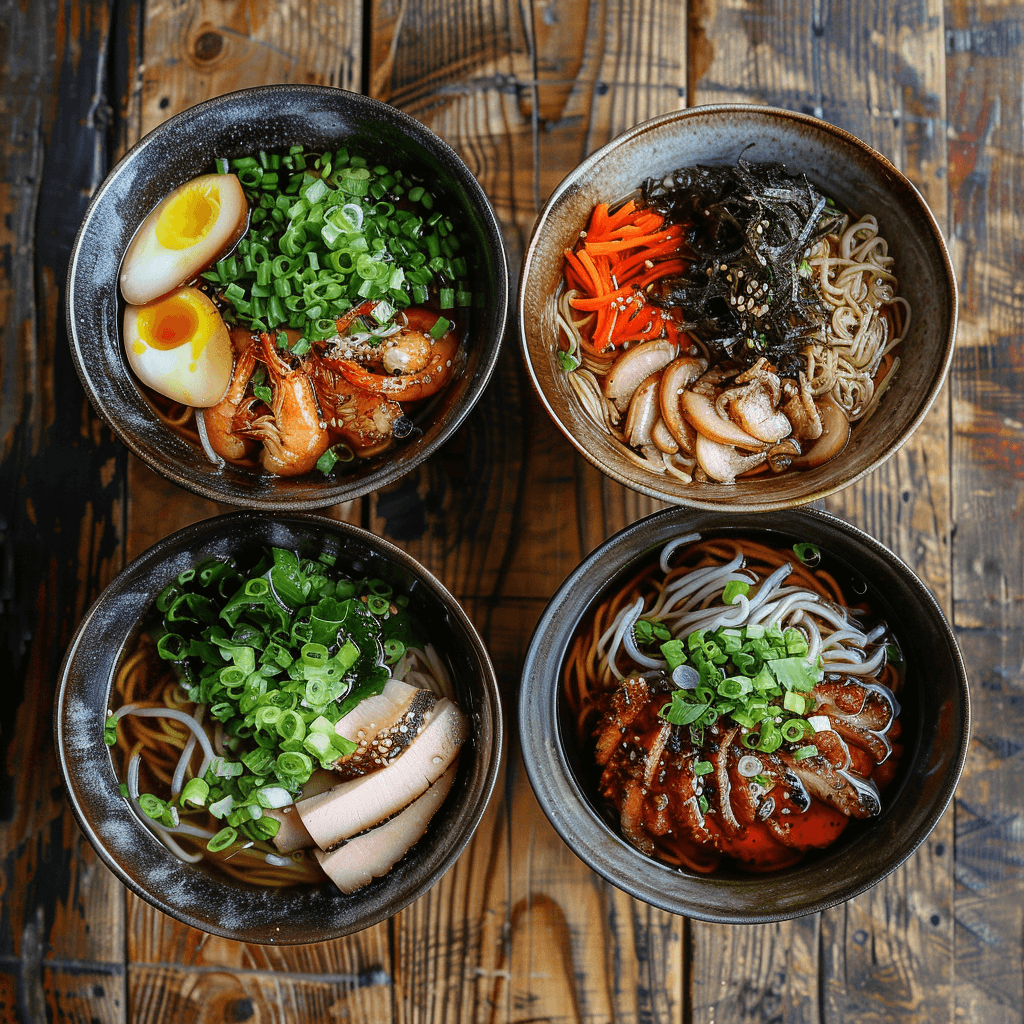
{"x": 748, "y": 292}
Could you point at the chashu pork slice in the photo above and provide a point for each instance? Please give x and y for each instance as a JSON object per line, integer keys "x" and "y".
{"x": 383, "y": 726}
{"x": 291, "y": 833}
{"x": 358, "y": 804}
{"x": 374, "y": 853}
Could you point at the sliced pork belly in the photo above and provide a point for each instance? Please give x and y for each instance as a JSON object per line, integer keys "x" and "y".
{"x": 383, "y": 726}
{"x": 292, "y": 834}
{"x": 374, "y": 853}
{"x": 360, "y": 803}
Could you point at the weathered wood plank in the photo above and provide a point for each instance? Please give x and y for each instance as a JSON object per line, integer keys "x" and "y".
{"x": 986, "y": 156}
{"x": 873, "y": 69}
{"x": 763, "y": 973}
{"x": 61, "y": 498}
{"x": 507, "y": 510}
{"x": 166, "y": 992}
{"x": 204, "y": 48}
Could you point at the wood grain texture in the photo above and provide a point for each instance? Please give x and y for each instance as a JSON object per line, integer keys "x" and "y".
{"x": 876, "y": 70}
{"x": 170, "y": 993}
{"x": 61, "y": 501}
{"x": 519, "y": 930}
{"x": 523, "y": 92}
{"x": 985, "y": 82}
{"x": 203, "y": 48}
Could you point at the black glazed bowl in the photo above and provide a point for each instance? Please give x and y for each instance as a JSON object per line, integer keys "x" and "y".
{"x": 240, "y": 123}
{"x": 203, "y": 898}
{"x": 935, "y": 720}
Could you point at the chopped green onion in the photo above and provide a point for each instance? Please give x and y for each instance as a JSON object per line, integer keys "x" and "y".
{"x": 809, "y": 554}
{"x": 222, "y": 840}
{"x": 733, "y": 589}
{"x": 795, "y": 729}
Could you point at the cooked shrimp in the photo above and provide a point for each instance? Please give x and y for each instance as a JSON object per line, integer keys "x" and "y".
{"x": 364, "y": 421}
{"x": 293, "y": 434}
{"x": 433, "y": 374}
{"x": 219, "y": 419}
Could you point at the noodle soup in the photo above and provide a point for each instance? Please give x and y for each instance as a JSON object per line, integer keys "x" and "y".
{"x": 737, "y": 703}
{"x": 729, "y": 322}
{"x": 298, "y": 310}
{"x": 285, "y": 721}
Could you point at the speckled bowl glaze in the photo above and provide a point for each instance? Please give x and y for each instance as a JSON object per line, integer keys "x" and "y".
{"x": 935, "y": 721}
{"x": 845, "y": 168}
{"x": 240, "y": 123}
{"x": 201, "y": 897}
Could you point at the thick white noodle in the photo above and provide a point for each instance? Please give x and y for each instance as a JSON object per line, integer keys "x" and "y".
{"x": 841, "y": 636}
{"x": 700, "y": 600}
{"x": 629, "y": 642}
{"x": 177, "y": 716}
{"x": 625, "y": 622}
{"x": 672, "y": 546}
{"x": 609, "y": 633}
{"x": 160, "y": 831}
{"x": 693, "y": 582}
{"x": 854, "y": 668}
{"x": 186, "y": 754}
{"x": 814, "y": 640}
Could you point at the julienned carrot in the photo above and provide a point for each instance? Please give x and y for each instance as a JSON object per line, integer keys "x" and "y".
{"x": 592, "y": 302}
{"x": 618, "y": 245}
{"x": 600, "y": 287}
{"x": 575, "y": 274}
{"x": 618, "y": 256}
{"x": 630, "y": 264}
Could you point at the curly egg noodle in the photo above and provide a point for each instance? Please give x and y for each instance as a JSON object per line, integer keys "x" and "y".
{"x": 712, "y": 367}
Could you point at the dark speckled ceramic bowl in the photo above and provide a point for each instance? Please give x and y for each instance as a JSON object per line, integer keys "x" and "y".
{"x": 241, "y": 123}
{"x": 935, "y": 722}
{"x": 204, "y": 898}
{"x": 845, "y": 168}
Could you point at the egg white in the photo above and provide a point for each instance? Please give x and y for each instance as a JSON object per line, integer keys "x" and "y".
{"x": 180, "y": 347}
{"x": 187, "y": 231}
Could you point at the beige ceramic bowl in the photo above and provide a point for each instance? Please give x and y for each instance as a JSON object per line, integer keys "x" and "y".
{"x": 846, "y": 169}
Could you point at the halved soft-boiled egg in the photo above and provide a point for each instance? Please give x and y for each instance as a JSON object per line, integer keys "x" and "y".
{"x": 191, "y": 228}
{"x": 180, "y": 347}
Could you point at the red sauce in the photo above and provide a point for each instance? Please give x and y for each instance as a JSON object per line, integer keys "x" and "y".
{"x": 763, "y": 817}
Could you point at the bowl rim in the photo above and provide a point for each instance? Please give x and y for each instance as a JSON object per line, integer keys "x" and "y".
{"x": 333, "y": 490}
{"x": 554, "y": 782}
{"x": 82, "y": 798}
{"x": 652, "y": 489}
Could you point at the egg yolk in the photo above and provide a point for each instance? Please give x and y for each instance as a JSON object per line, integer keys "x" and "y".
{"x": 189, "y": 217}
{"x": 174, "y": 322}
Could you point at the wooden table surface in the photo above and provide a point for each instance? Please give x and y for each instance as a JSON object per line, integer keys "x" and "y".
{"x": 519, "y": 930}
